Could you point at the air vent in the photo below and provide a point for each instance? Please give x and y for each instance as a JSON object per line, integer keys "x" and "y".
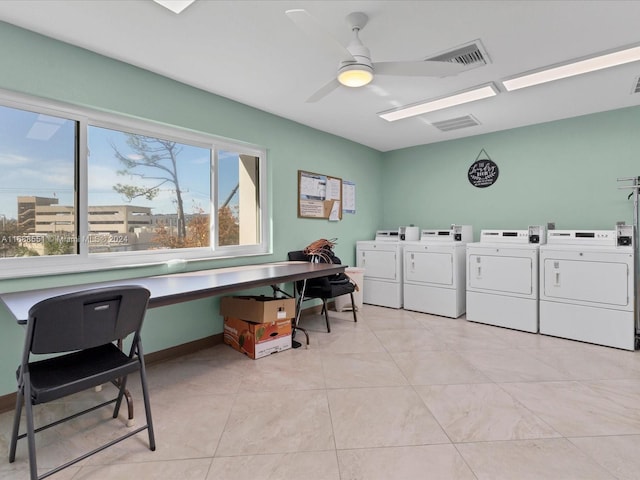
{"x": 470, "y": 54}
{"x": 636, "y": 89}
{"x": 456, "y": 123}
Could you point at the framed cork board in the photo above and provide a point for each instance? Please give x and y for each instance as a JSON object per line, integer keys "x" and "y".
{"x": 319, "y": 196}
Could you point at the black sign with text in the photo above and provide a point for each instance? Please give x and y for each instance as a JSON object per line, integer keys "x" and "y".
{"x": 483, "y": 173}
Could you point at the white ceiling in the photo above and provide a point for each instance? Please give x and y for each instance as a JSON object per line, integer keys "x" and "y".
{"x": 251, "y": 52}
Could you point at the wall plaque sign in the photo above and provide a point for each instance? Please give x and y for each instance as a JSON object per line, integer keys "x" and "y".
{"x": 483, "y": 172}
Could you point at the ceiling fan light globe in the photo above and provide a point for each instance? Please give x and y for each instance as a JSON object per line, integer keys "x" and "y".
{"x": 355, "y": 76}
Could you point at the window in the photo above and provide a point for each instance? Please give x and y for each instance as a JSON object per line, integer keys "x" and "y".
{"x": 38, "y": 196}
{"x": 146, "y": 193}
{"x": 141, "y": 194}
{"x": 238, "y": 189}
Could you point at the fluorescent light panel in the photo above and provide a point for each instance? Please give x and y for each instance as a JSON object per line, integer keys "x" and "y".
{"x": 176, "y": 6}
{"x": 438, "y": 104}
{"x": 575, "y": 68}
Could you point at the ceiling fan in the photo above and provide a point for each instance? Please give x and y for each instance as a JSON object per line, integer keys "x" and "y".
{"x": 356, "y": 68}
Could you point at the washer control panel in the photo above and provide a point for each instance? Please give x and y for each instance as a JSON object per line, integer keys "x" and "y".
{"x": 457, "y": 233}
{"x": 584, "y": 237}
{"x": 534, "y": 234}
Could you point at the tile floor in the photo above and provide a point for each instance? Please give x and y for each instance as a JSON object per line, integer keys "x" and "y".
{"x": 399, "y": 395}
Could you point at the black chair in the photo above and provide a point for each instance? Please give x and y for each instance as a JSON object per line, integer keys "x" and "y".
{"x": 323, "y": 288}
{"x": 85, "y": 329}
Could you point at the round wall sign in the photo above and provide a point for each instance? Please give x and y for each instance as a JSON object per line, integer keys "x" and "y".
{"x": 483, "y": 173}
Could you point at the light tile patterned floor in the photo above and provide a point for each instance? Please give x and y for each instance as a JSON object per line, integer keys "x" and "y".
{"x": 399, "y": 395}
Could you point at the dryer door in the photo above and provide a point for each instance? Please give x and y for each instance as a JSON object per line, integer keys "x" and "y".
{"x": 503, "y": 271}
{"x": 597, "y": 279}
{"x": 423, "y": 265}
{"x": 382, "y": 262}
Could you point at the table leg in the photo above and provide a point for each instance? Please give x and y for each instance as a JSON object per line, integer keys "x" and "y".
{"x": 296, "y": 344}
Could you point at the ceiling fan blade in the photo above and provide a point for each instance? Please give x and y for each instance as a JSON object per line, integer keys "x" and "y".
{"x": 308, "y": 25}
{"x": 427, "y": 68}
{"x": 324, "y": 91}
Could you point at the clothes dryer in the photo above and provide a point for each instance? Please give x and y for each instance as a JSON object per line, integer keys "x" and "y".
{"x": 435, "y": 272}
{"x": 381, "y": 260}
{"x": 587, "y": 286}
{"x": 502, "y": 278}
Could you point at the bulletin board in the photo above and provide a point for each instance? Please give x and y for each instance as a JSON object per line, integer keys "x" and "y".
{"x": 319, "y": 196}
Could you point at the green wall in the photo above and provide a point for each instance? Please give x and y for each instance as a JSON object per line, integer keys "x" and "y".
{"x": 563, "y": 172}
{"x": 39, "y": 66}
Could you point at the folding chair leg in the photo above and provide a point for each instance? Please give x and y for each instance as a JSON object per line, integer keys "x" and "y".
{"x": 122, "y": 387}
{"x": 16, "y": 426}
{"x": 353, "y": 307}
{"x": 145, "y": 397}
{"x": 31, "y": 443}
{"x": 326, "y": 314}
{"x": 31, "y": 435}
{"x": 127, "y": 397}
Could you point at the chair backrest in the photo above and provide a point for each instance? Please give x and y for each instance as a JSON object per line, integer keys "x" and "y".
{"x": 86, "y": 319}
{"x": 298, "y": 256}
{"x": 326, "y": 256}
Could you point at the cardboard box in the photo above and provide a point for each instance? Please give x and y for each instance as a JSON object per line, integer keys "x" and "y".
{"x": 258, "y": 309}
{"x": 257, "y": 340}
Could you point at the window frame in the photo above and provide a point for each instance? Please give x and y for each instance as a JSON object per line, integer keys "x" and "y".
{"x": 83, "y": 261}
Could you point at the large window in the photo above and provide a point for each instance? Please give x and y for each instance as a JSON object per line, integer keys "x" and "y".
{"x": 82, "y": 190}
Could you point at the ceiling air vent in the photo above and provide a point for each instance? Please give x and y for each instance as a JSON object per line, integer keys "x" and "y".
{"x": 470, "y": 54}
{"x": 636, "y": 88}
{"x": 456, "y": 123}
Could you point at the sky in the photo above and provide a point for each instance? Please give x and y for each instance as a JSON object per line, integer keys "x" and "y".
{"x": 37, "y": 159}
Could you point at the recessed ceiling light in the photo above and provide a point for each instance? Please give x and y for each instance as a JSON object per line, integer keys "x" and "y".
{"x": 574, "y": 68}
{"x": 176, "y": 6}
{"x": 467, "y": 96}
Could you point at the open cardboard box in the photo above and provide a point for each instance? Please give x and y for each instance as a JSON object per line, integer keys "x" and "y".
{"x": 258, "y": 309}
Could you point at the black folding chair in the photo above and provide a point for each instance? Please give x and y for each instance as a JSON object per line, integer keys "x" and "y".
{"x": 323, "y": 288}
{"x": 85, "y": 329}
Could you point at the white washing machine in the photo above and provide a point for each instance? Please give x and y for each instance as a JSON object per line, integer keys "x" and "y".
{"x": 587, "y": 286}
{"x": 381, "y": 260}
{"x": 435, "y": 272}
{"x": 502, "y": 278}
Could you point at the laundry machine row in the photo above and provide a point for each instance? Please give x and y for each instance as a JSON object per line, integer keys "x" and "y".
{"x": 574, "y": 284}
{"x": 579, "y": 284}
